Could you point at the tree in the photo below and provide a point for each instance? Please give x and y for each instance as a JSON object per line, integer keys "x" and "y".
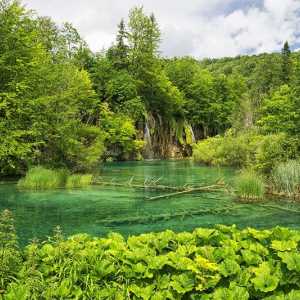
{"x": 118, "y": 53}
{"x": 143, "y": 40}
{"x": 280, "y": 112}
{"x": 47, "y": 106}
{"x": 286, "y": 65}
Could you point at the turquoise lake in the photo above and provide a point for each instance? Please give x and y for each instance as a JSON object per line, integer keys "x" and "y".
{"x": 99, "y": 210}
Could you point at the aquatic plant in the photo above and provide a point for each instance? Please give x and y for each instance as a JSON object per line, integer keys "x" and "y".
{"x": 286, "y": 177}
{"x": 249, "y": 185}
{"x": 40, "y": 178}
{"x": 79, "y": 180}
{"x": 216, "y": 263}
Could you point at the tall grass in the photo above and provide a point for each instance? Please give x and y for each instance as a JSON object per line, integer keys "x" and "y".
{"x": 286, "y": 178}
{"x": 40, "y": 178}
{"x": 78, "y": 180}
{"x": 250, "y": 186}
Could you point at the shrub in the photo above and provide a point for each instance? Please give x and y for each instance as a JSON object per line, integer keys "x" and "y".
{"x": 262, "y": 152}
{"x": 250, "y": 186}
{"x": 228, "y": 150}
{"x": 273, "y": 149}
{"x": 205, "y": 151}
{"x": 286, "y": 177}
{"x": 77, "y": 180}
{"x": 217, "y": 263}
{"x": 40, "y": 178}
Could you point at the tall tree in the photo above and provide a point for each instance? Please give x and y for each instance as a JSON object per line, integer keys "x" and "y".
{"x": 118, "y": 53}
{"x": 286, "y": 66}
{"x": 143, "y": 39}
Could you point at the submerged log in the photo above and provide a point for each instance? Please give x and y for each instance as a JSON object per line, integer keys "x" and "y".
{"x": 164, "y": 217}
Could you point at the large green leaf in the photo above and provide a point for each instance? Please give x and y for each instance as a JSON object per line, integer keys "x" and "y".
{"x": 284, "y": 245}
{"x": 229, "y": 267}
{"x": 291, "y": 259}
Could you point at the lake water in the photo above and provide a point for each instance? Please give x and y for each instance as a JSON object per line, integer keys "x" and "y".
{"x": 99, "y": 210}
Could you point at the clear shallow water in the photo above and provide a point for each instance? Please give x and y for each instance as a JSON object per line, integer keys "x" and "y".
{"x": 99, "y": 210}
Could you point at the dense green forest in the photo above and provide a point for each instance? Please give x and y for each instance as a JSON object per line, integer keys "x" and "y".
{"x": 65, "y": 107}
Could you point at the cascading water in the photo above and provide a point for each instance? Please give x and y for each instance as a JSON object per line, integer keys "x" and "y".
{"x": 192, "y": 133}
{"x": 148, "y": 142}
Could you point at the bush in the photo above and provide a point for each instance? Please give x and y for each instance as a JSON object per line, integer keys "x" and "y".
{"x": 77, "y": 180}
{"x": 273, "y": 149}
{"x": 205, "y": 151}
{"x": 40, "y": 178}
{"x": 250, "y": 186}
{"x": 218, "y": 263}
{"x": 286, "y": 177}
{"x": 262, "y": 152}
{"x": 228, "y": 150}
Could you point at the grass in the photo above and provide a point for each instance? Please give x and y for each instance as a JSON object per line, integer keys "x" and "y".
{"x": 286, "y": 178}
{"x": 250, "y": 186}
{"x": 78, "y": 180}
{"x": 40, "y": 178}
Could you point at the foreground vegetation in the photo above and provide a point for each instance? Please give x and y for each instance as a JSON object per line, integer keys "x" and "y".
{"x": 218, "y": 263}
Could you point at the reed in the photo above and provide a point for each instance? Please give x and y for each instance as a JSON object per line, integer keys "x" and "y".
{"x": 286, "y": 178}
{"x": 250, "y": 186}
{"x": 40, "y": 178}
{"x": 78, "y": 180}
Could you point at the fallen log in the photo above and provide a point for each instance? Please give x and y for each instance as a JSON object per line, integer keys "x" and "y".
{"x": 141, "y": 186}
{"x": 211, "y": 188}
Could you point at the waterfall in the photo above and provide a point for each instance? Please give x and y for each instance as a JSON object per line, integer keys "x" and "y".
{"x": 189, "y": 134}
{"x": 148, "y": 142}
{"x": 192, "y": 134}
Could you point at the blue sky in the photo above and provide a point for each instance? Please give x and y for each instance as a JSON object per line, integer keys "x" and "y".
{"x": 201, "y": 28}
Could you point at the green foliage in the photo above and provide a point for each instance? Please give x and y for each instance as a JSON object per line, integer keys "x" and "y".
{"x": 279, "y": 112}
{"x": 121, "y": 141}
{"x": 286, "y": 177}
{"x": 209, "y": 98}
{"x": 205, "y": 264}
{"x": 249, "y": 186}
{"x": 47, "y": 104}
{"x": 10, "y": 257}
{"x": 245, "y": 149}
{"x": 78, "y": 180}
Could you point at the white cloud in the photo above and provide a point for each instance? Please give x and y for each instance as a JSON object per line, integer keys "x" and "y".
{"x": 200, "y": 28}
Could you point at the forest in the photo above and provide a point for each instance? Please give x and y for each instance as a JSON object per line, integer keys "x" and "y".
{"x": 137, "y": 158}
{"x": 63, "y": 106}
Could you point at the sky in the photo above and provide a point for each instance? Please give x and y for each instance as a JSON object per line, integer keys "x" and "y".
{"x": 199, "y": 28}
